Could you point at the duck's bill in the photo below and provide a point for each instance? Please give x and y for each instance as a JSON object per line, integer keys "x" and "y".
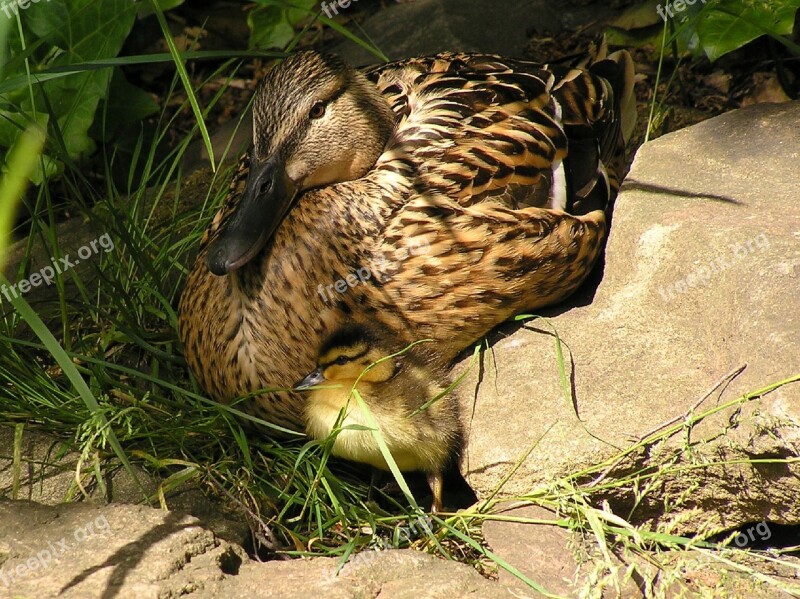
{"x": 312, "y": 380}
{"x": 267, "y": 199}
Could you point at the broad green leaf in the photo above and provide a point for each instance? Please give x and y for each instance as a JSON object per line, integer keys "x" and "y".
{"x": 68, "y": 32}
{"x": 731, "y": 24}
{"x": 269, "y": 27}
{"x": 83, "y": 29}
{"x": 713, "y": 27}
{"x": 300, "y": 9}
{"x": 126, "y": 104}
{"x": 74, "y": 101}
{"x": 684, "y": 33}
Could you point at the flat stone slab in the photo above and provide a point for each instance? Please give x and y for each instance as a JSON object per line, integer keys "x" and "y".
{"x": 134, "y": 552}
{"x": 542, "y": 552}
{"x": 701, "y": 277}
{"x": 121, "y": 551}
{"x": 396, "y": 574}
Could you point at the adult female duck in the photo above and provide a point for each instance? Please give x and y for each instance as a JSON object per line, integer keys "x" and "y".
{"x": 502, "y": 170}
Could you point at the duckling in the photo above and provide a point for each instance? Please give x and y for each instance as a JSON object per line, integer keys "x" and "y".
{"x": 501, "y": 170}
{"x": 400, "y": 389}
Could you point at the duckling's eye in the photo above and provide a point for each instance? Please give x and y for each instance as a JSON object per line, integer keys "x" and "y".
{"x": 341, "y": 360}
{"x": 317, "y": 111}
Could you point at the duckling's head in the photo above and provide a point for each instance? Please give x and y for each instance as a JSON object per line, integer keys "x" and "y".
{"x": 345, "y": 355}
{"x": 316, "y": 121}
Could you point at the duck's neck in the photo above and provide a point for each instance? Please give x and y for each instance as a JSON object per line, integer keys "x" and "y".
{"x": 379, "y": 120}
{"x": 326, "y": 232}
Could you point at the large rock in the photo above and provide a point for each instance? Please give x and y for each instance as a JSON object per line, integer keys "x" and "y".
{"x": 125, "y": 551}
{"x": 701, "y": 278}
{"x": 121, "y": 551}
{"x": 134, "y": 552}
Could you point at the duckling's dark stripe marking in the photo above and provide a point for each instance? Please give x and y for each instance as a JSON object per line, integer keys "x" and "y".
{"x": 326, "y": 363}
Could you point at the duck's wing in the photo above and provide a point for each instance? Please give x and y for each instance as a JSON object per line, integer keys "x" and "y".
{"x": 456, "y": 267}
{"x": 477, "y": 126}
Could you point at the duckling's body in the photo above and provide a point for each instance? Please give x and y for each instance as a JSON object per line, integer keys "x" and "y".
{"x": 446, "y": 178}
{"x": 395, "y": 390}
{"x": 419, "y": 448}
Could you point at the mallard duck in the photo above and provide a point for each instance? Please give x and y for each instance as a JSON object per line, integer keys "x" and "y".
{"x": 465, "y": 188}
{"x": 404, "y": 392}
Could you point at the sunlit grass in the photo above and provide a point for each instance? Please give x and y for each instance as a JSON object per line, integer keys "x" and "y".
{"x": 13, "y": 182}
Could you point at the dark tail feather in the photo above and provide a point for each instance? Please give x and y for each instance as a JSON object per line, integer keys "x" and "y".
{"x": 599, "y": 116}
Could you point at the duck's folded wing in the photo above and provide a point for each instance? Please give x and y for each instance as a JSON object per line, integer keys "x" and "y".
{"x": 482, "y": 262}
{"x": 475, "y": 127}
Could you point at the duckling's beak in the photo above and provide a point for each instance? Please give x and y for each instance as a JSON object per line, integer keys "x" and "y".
{"x": 312, "y": 380}
{"x": 267, "y": 199}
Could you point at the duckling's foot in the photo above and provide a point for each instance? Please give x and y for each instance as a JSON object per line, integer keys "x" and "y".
{"x": 436, "y": 483}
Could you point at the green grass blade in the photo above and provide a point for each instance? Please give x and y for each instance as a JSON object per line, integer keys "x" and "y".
{"x": 13, "y": 182}
{"x": 22, "y": 81}
{"x": 387, "y": 455}
{"x": 71, "y": 372}
{"x": 187, "y": 84}
{"x": 354, "y": 38}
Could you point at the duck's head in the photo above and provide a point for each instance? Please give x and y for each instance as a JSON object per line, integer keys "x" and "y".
{"x": 316, "y": 121}
{"x": 345, "y": 355}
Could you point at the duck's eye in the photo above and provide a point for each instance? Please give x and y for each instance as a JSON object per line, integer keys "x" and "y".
{"x": 317, "y": 111}
{"x": 341, "y": 360}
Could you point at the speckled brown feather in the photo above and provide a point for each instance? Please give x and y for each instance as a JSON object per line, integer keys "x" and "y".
{"x": 449, "y": 223}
